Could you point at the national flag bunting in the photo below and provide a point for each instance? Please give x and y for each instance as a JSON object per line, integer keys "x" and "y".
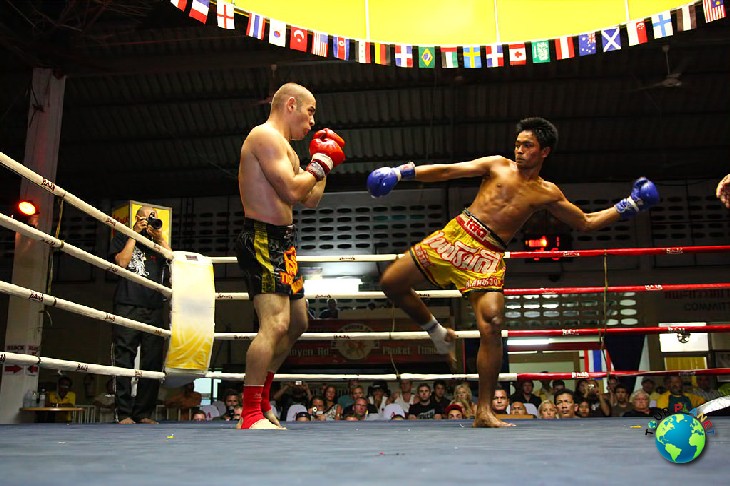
{"x": 517, "y": 54}
{"x": 686, "y": 18}
{"x": 494, "y": 55}
{"x": 611, "y": 39}
{"x": 587, "y": 44}
{"x": 277, "y": 32}
{"x": 320, "y": 42}
{"x": 564, "y": 48}
{"x": 540, "y": 52}
{"x": 714, "y": 10}
{"x": 403, "y": 56}
{"x": 662, "y": 23}
{"x": 226, "y": 15}
{"x": 363, "y": 52}
{"x": 255, "y": 26}
{"x": 594, "y": 362}
{"x": 637, "y": 32}
{"x": 298, "y": 39}
{"x": 200, "y": 10}
{"x": 449, "y": 57}
{"x": 341, "y": 47}
{"x": 181, "y": 4}
{"x": 382, "y": 54}
{"x": 427, "y": 57}
{"x": 472, "y": 56}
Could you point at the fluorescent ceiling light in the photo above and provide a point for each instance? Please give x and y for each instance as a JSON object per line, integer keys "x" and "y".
{"x": 326, "y": 286}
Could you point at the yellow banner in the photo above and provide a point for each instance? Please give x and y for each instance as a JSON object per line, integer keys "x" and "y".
{"x": 456, "y": 22}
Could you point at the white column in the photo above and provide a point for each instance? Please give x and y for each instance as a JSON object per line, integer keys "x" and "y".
{"x": 30, "y": 266}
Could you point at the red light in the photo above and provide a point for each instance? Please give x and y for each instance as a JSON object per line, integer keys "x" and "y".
{"x": 27, "y": 208}
{"x": 541, "y": 243}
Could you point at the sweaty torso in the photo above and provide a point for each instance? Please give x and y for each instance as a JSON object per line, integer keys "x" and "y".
{"x": 258, "y": 196}
{"x": 507, "y": 198}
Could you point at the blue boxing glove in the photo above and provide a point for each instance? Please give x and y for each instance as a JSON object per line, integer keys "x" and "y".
{"x": 643, "y": 196}
{"x": 381, "y": 181}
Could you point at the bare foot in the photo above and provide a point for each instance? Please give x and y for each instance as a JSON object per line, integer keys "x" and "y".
{"x": 489, "y": 420}
{"x": 127, "y": 421}
{"x": 269, "y": 414}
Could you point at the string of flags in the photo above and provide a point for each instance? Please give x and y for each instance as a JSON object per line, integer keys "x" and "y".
{"x": 322, "y": 44}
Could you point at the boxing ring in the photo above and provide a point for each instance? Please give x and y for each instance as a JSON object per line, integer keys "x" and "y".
{"x": 600, "y": 449}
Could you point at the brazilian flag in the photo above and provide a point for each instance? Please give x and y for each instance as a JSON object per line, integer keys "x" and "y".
{"x": 426, "y": 57}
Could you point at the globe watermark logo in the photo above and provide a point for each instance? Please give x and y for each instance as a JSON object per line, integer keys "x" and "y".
{"x": 680, "y": 437}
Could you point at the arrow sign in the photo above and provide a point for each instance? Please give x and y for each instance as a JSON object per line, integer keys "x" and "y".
{"x": 12, "y": 369}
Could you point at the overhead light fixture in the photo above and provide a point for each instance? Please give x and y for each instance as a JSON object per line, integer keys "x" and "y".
{"x": 328, "y": 286}
{"x": 531, "y": 342}
{"x": 27, "y": 208}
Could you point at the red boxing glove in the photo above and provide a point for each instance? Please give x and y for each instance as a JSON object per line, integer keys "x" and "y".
{"x": 326, "y": 151}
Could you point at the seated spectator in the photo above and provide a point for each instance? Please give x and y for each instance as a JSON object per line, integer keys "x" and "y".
{"x": 316, "y": 411}
{"x": 393, "y": 411}
{"x": 106, "y": 402}
{"x": 558, "y": 385}
{"x": 185, "y": 401}
{"x": 62, "y": 397}
{"x": 439, "y": 394}
{"x": 332, "y": 409}
{"x": 360, "y": 410}
{"x": 598, "y": 402}
{"x": 547, "y": 410}
{"x": 640, "y": 405}
{"x": 584, "y": 408}
{"x": 704, "y": 388}
{"x": 424, "y": 408}
{"x": 565, "y": 403}
{"x": 404, "y": 397}
{"x": 622, "y": 404}
{"x": 198, "y": 415}
{"x": 211, "y": 412}
{"x": 291, "y": 413}
{"x": 331, "y": 312}
{"x": 290, "y": 394}
{"x": 454, "y": 412}
{"x": 348, "y": 399}
{"x": 378, "y": 396}
{"x": 649, "y": 386}
{"x": 463, "y": 396}
{"x": 517, "y": 408}
{"x": 545, "y": 393}
{"x": 303, "y": 417}
{"x": 524, "y": 393}
{"x": 500, "y": 401}
{"x": 358, "y": 392}
{"x": 230, "y": 401}
{"x": 676, "y": 400}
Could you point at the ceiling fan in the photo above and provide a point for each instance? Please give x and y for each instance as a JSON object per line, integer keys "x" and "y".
{"x": 672, "y": 79}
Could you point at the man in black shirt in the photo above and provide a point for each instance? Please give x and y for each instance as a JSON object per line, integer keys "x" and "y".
{"x": 137, "y": 302}
{"x": 424, "y": 408}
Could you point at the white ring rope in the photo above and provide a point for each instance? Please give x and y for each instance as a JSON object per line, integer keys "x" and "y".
{"x": 38, "y": 235}
{"x": 350, "y": 336}
{"x": 51, "y": 187}
{"x": 426, "y": 294}
{"x": 51, "y": 301}
{"x": 60, "y": 364}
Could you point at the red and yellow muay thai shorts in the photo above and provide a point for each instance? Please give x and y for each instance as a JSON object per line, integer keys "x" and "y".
{"x": 466, "y": 254}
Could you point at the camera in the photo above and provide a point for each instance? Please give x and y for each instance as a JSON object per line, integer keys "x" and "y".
{"x": 154, "y": 223}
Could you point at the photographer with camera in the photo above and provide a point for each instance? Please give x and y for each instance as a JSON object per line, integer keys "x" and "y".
{"x": 137, "y": 302}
